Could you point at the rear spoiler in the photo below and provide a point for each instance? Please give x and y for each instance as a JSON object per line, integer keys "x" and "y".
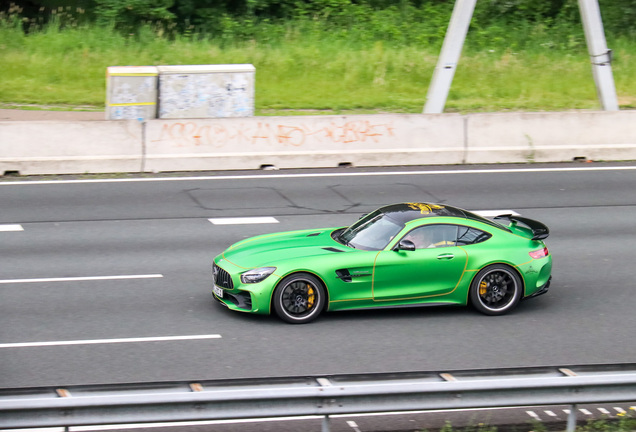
{"x": 539, "y": 230}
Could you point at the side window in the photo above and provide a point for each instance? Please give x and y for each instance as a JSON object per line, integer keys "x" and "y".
{"x": 432, "y": 236}
{"x": 468, "y": 236}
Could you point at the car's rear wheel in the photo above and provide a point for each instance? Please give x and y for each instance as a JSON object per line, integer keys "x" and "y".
{"x": 299, "y": 298}
{"x": 496, "y": 290}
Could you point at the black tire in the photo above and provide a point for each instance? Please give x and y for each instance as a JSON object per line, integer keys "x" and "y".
{"x": 299, "y": 298}
{"x": 496, "y": 290}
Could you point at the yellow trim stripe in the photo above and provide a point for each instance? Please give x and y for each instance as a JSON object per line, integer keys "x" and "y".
{"x": 373, "y": 275}
{"x": 132, "y": 104}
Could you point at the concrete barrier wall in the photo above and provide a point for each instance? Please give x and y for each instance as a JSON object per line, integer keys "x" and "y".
{"x": 304, "y": 141}
{"x": 551, "y": 137}
{"x": 50, "y": 147}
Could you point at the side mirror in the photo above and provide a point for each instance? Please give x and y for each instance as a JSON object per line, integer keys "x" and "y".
{"x": 405, "y": 245}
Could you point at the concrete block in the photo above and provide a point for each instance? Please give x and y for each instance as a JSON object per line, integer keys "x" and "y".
{"x": 551, "y": 137}
{"x": 206, "y": 91}
{"x": 50, "y": 147}
{"x": 131, "y": 92}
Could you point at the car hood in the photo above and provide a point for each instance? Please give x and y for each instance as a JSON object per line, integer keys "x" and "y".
{"x": 272, "y": 249}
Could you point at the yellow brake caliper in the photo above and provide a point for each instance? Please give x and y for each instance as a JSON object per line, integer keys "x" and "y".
{"x": 311, "y": 297}
{"x": 482, "y": 288}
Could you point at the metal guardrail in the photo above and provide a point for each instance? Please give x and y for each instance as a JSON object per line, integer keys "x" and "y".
{"x": 320, "y": 395}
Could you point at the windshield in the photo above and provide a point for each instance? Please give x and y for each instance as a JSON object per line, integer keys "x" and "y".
{"x": 372, "y": 232}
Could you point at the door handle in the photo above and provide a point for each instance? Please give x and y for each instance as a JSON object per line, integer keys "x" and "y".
{"x": 448, "y": 256}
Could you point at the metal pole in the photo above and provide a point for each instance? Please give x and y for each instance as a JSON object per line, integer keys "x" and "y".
{"x": 571, "y": 427}
{"x": 449, "y": 57}
{"x": 600, "y": 56}
{"x": 325, "y": 424}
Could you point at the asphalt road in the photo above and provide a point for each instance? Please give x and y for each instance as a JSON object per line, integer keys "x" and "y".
{"x": 65, "y": 246}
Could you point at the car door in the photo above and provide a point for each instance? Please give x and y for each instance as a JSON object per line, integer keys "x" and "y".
{"x": 432, "y": 269}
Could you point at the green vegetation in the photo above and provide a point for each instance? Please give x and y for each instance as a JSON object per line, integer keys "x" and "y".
{"x": 328, "y": 56}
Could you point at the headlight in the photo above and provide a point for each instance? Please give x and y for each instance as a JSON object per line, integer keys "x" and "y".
{"x": 257, "y": 275}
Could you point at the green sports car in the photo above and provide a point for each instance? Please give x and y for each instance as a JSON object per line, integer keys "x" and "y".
{"x": 409, "y": 254}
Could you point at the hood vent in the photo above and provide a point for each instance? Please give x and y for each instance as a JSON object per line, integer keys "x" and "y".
{"x": 313, "y": 234}
{"x": 330, "y": 249}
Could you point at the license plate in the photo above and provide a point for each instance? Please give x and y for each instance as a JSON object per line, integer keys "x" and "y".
{"x": 218, "y": 291}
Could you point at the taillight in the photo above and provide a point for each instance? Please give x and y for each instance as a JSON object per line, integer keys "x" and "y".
{"x": 541, "y": 253}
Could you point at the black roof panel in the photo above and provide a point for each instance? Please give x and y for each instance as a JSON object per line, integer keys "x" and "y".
{"x": 407, "y": 212}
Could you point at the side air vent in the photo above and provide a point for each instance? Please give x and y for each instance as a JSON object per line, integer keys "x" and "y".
{"x": 347, "y": 275}
{"x": 330, "y": 249}
{"x": 344, "y": 275}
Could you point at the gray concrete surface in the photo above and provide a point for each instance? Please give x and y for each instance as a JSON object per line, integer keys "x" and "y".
{"x": 161, "y": 226}
{"x": 42, "y": 115}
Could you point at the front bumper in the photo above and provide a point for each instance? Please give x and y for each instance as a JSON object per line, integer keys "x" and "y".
{"x": 252, "y": 298}
{"x": 242, "y": 299}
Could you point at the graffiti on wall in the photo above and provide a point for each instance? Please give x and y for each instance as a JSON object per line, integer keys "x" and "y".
{"x": 262, "y": 133}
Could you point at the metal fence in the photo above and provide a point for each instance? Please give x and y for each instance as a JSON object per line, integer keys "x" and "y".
{"x": 318, "y": 395}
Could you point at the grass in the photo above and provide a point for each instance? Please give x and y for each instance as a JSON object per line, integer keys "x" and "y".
{"x": 303, "y": 74}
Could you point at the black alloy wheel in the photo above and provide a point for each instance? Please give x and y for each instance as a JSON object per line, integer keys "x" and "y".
{"x": 299, "y": 298}
{"x": 496, "y": 290}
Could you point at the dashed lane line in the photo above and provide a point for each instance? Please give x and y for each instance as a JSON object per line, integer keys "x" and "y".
{"x": 243, "y": 220}
{"x": 11, "y": 228}
{"x": 583, "y": 411}
{"x": 353, "y": 425}
{"x": 265, "y": 220}
{"x": 81, "y": 278}
{"x": 108, "y": 341}
{"x": 534, "y": 415}
{"x": 493, "y": 213}
{"x": 273, "y": 220}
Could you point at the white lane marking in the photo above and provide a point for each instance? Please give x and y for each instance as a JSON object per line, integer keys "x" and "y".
{"x": 353, "y": 425}
{"x": 604, "y": 411}
{"x": 81, "y": 278}
{"x": 534, "y": 415}
{"x": 109, "y": 341}
{"x": 271, "y": 220}
{"x": 619, "y": 410}
{"x": 493, "y": 213}
{"x": 11, "y": 228}
{"x": 550, "y": 413}
{"x": 586, "y": 412}
{"x": 46, "y": 429}
{"x": 314, "y": 175}
{"x": 243, "y": 220}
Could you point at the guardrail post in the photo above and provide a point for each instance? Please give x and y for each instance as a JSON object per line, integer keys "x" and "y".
{"x": 325, "y": 424}
{"x": 572, "y": 419}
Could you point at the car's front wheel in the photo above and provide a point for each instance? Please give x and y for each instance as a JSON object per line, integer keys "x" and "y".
{"x": 496, "y": 290}
{"x": 299, "y": 298}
